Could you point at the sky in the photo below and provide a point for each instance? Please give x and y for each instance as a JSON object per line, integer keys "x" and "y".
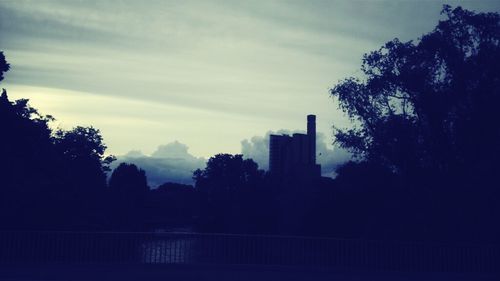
{"x": 204, "y": 77}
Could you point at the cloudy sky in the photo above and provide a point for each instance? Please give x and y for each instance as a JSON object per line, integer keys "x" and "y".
{"x": 203, "y": 74}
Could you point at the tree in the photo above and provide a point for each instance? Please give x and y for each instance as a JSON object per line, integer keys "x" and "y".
{"x": 128, "y": 187}
{"x": 48, "y": 180}
{"x": 83, "y": 166}
{"x": 173, "y": 202}
{"x": 430, "y": 105}
{"x": 27, "y": 169}
{"x": 82, "y": 150}
{"x": 426, "y": 112}
{"x": 229, "y": 188}
{"x": 128, "y": 179}
{"x": 4, "y": 66}
{"x": 25, "y": 142}
{"x": 227, "y": 172}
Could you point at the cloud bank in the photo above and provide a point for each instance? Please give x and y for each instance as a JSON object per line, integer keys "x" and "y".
{"x": 257, "y": 148}
{"x": 172, "y": 162}
{"x": 168, "y": 163}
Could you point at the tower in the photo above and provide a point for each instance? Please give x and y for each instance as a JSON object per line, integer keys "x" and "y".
{"x": 311, "y": 135}
{"x": 294, "y": 157}
{"x": 279, "y": 151}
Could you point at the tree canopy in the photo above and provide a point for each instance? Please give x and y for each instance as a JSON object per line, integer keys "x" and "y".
{"x": 48, "y": 179}
{"x": 230, "y": 187}
{"x": 127, "y": 178}
{"x": 4, "y": 66}
{"x": 227, "y": 172}
{"x": 429, "y": 105}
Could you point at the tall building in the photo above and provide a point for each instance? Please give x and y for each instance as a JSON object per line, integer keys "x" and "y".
{"x": 294, "y": 157}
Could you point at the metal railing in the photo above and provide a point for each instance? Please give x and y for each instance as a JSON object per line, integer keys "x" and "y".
{"x": 226, "y": 249}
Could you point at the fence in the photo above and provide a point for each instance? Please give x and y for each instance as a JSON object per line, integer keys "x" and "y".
{"x": 189, "y": 248}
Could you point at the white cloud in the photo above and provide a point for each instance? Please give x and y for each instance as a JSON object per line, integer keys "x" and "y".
{"x": 169, "y": 163}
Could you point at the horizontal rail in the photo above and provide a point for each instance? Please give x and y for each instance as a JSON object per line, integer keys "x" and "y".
{"x": 194, "y": 248}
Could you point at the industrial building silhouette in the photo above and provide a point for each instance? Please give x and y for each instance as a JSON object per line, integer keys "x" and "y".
{"x": 294, "y": 157}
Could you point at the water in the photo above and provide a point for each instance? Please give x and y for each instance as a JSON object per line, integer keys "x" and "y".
{"x": 170, "y": 250}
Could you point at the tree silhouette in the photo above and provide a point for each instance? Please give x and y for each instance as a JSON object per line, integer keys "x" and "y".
{"x": 4, "y": 66}
{"x": 82, "y": 149}
{"x": 128, "y": 179}
{"x": 230, "y": 188}
{"x": 173, "y": 202}
{"x": 429, "y": 105}
{"x": 48, "y": 180}
{"x": 424, "y": 115}
{"x": 226, "y": 172}
{"x": 27, "y": 170}
{"x": 128, "y": 188}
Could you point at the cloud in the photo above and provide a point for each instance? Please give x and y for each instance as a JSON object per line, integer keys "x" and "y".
{"x": 169, "y": 163}
{"x": 227, "y": 60}
{"x": 329, "y": 157}
{"x": 257, "y": 148}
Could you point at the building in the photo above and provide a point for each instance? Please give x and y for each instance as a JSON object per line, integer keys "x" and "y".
{"x": 294, "y": 157}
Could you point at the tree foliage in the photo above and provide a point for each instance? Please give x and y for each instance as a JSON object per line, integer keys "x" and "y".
{"x": 48, "y": 179}
{"x": 226, "y": 172}
{"x": 230, "y": 188}
{"x": 4, "y": 66}
{"x": 128, "y": 188}
{"x": 129, "y": 179}
{"x": 429, "y": 105}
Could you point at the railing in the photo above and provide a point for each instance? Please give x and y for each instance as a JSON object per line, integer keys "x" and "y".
{"x": 188, "y": 248}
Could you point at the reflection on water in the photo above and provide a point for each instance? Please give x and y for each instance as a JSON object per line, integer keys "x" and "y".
{"x": 169, "y": 250}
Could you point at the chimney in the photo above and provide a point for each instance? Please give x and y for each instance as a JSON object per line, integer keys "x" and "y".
{"x": 311, "y": 134}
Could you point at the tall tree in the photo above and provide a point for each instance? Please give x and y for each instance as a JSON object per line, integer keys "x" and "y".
{"x": 128, "y": 188}
{"x": 425, "y": 114}
{"x": 226, "y": 172}
{"x": 82, "y": 149}
{"x": 27, "y": 169}
{"x": 129, "y": 179}
{"x": 430, "y": 104}
{"x": 47, "y": 179}
{"x": 230, "y": 187}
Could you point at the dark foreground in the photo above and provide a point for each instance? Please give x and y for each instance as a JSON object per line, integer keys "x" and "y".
{"x": 29, "y": 255}
{"x": 215, "y": 272}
